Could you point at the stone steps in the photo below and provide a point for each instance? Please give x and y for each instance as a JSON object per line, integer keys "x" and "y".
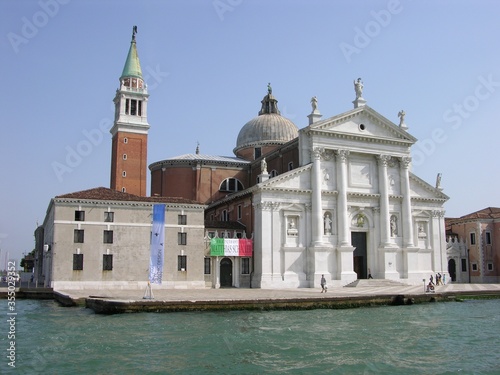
{"x": 374, "y": 283}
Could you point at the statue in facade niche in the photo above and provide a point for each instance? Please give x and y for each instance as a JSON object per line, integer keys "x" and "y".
{"x": 421, "y": 232}
{"x": 328, "y": 224}
{"x": 358, "y": 87}
{"x": 394, "y": 226}
{"x": 292, "y": 230}
{"x": 361, "y": 220}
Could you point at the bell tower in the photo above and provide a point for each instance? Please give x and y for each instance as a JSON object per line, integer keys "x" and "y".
{"x": 130, "y": 128}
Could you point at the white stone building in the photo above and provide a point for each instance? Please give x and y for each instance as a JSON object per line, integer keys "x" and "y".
{"x": 351, "y": 210}
{"x": 100, "y": 239}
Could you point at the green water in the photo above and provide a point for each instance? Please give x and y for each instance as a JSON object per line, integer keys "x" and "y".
{"x": 438, "y": 338}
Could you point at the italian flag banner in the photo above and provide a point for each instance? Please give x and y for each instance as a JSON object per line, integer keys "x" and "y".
{"x": 236, "y": 247}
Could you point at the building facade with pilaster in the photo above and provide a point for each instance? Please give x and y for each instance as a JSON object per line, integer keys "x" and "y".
{"x": 345, "y": 205}
{"x": 351, "y": 210}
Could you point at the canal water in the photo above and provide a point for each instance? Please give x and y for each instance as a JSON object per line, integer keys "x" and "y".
{"x": 434, "y": 338}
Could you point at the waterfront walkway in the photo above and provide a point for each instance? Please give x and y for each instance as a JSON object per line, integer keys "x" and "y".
{"x": 363, "y": 294}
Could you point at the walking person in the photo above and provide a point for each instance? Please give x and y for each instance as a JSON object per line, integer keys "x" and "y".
{"x": 323, "y": 284}
{"x": 431, "y": 280}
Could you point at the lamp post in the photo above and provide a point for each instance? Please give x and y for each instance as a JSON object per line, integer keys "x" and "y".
{"x": 424, "y": 284}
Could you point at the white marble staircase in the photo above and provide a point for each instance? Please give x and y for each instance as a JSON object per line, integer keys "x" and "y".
{"x": 374, "y": 283}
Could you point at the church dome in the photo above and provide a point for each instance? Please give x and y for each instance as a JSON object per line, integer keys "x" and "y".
{"x": 267, "y": 129}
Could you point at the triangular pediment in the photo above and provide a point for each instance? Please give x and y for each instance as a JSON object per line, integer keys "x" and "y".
{"x": 363, "y": 123}
{"x": 419, "y": 189}
{"x": 295, "y": 180}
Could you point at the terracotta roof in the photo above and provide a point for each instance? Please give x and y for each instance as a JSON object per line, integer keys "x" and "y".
{"x": 102, "y": 193}
{"x": 486, "y": 213}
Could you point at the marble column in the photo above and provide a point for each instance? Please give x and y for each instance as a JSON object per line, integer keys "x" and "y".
{"x": 385, "y": 234}
{"x": 317, "y": 214}
{"x": 378, "y": 267}
{"x": 217, "y": 273}
{"x": 407, "y": 220}
{"x": 345, "y": 266}
{"x": 342, "y": 214}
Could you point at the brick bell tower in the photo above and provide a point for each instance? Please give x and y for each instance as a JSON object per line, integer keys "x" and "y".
{"x": 130, "y": 129}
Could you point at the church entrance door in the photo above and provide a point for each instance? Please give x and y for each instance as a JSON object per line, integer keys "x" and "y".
{"x": 358, "y": 240}
{"x": 452, "y": 269}
{"x": 226, "y": 273}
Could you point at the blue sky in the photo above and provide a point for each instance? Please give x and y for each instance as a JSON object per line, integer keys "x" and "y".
{"x": 207, "y": 64}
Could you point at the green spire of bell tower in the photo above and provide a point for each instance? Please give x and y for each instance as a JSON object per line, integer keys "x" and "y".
{"x": 132, "y": 66}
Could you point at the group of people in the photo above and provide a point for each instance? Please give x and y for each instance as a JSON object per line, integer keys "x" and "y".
{"x": 439, "y": 281}
{"x": 430, "y": 286}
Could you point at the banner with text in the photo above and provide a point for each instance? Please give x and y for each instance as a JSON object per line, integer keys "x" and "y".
{"x": 157, "y": 244}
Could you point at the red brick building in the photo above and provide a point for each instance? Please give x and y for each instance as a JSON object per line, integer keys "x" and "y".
{"x": 222, "y": 182}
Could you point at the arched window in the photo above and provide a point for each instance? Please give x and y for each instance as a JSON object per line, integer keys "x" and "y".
{"x": 231, "y": 185}
{"x": 274, "y": 173}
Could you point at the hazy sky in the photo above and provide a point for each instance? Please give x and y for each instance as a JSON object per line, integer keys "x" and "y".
{"x": 207, "y": 64}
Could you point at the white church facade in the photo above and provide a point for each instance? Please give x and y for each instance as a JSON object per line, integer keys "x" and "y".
{"x": 352, "y": 210}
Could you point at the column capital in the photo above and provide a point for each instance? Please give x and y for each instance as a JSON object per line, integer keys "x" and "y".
{"x": 266, "y": 206}
{"x": 321, "y": 153}
{"x": 317, "y": 152}
{"x": 405, "y": 161}
{"x": 383, "y": 159}
{"x": 438, "y": 213}
{"x": 342, "y": 155}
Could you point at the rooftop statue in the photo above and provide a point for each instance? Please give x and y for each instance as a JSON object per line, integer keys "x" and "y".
{"x": 263, "y": 166}
{"x": 438, "y": 181}
{"x": 401, "y": 116}
{"x": 269, "y": 88}
{"x": 358, "y": 87}
{"x": 314, "y": 103}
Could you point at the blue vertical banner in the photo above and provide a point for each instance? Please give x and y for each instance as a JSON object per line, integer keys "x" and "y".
{"x": 157, "y": 244}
